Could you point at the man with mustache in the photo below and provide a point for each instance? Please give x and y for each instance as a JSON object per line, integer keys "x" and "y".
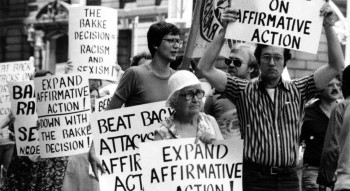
{"x": 314, "y": 131}
{"x": 241, "y": 64}
{"x": 334, "y": 154}
{"x": 270, "y": 110}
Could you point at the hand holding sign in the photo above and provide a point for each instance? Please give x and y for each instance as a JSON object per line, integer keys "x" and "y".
{"x": 328, "y": 13}
{"x": 205, "y": 137}
{"x": 95, "y": 162}
{"x": 229, "y": 15}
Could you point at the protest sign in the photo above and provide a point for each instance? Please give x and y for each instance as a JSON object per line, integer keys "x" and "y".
{"x": 117, "y": 134}
{"x": 18, "y": 71}
{"x": 289, "y": 24}
{"x": 180, "y": 165}
{"x": 63, "y": 106}
{"x": 23, "y": 107}
{"x": 5, "y": 105}
{"x": 93, "y": 41}
{"x": 206, "y": 25}
{"x": 102, "y": 103}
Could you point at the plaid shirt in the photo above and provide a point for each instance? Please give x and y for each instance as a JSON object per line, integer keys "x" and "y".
{"x": 271, "y": 128}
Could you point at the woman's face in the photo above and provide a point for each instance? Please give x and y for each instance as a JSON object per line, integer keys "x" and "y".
{"x": 189, "y": 101}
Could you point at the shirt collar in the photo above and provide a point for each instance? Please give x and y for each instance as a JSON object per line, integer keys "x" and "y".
{"x": 282, "y": 84}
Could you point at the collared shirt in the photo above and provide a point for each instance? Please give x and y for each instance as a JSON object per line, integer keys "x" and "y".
{"x": 270, "y": 128}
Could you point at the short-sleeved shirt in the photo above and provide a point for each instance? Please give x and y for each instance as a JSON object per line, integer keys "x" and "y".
{"x": 270, "y": 128}
{"x": 139, "y": 85}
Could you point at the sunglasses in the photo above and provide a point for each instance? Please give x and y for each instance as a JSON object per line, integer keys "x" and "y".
{"x": 236, "y": 62}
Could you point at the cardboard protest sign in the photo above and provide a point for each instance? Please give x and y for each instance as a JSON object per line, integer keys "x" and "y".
{"x": 206, "y": 25}
{"x": 23, "y": 107}
{"x": 180, "y": 165}
{"x": 117, "y": 134}
{"x": 18, "y": 71}
{"x": 63, "y": 106}
{"x": 102, "y": 103}
{"x": 5, "y": 105}
{"x": 93, "y": 41}
{"x": 293, "y": 24}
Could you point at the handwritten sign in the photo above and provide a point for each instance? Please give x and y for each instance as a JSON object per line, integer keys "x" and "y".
{"x": 18, "y": 71}
{"x": 206, "y": 25}
{"x": 23, "y": 107}
{"x": 117, "y": 134}
{"x": 63, "y": 106}
{"x": 93, "y": 41}
{"x": 102, "y": 103}
{"x": 293, "y": 24}
{"x": 180, "y": 165}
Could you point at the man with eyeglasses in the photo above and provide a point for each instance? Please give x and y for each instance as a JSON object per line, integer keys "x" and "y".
{"x": 270, "y": 110}
{"x": 241, "y": 64}
{"x": 148, "y": 82}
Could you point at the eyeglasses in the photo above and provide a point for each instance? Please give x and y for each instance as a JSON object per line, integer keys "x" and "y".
{"x": 236, "y": 62}
{"x": 267, "y": 58}
{"x": 190, "y": 94}
{"x": 174, "y": 41}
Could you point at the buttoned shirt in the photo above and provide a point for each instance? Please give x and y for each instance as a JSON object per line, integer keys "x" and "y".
{"x": 270, "y": 128}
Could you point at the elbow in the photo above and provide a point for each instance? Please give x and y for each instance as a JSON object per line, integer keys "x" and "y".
{"x": 340, "y": 66}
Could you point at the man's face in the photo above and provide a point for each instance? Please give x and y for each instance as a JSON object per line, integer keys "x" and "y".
{"x": 332, "y": 92}
{"x": 169, "y": 46}
{"x": 239, "y": 56}
{"x": 271, "y": 63}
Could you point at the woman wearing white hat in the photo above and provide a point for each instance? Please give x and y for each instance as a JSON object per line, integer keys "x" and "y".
{"x": 185, "y": 98}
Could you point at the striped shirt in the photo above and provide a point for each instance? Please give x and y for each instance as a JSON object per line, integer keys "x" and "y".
{"x": 270, "y": 128}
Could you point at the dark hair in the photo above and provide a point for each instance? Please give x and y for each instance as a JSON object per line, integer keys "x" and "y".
{"x": 286, "y": 53}
{"x": 156, "y": 33}
{"x": 91, "y": 83}
{"x": 346, "y": 82}
{"x": 41, "y": 73}
{"x": 135, "y": 60}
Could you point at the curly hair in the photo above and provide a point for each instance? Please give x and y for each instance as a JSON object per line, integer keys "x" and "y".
{"x": 136, "y": 59}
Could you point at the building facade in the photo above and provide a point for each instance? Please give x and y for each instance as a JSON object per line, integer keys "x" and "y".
{"x": 39, "y": 28}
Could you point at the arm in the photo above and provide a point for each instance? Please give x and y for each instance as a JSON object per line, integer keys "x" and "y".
{"x": 124, "y": 90}
{"x": 115, "y": 103}
{"x": 95, "y": 162}
{"x": 9, "y": 119}
{"x": 335, "y": 56}
{"x": 206, "y": 65}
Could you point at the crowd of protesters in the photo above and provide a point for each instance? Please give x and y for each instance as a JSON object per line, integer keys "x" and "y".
{"x": 249, "y": 101}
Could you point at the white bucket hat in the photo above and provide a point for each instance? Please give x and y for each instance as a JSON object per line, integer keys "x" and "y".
{"x": 180, "y": 80}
